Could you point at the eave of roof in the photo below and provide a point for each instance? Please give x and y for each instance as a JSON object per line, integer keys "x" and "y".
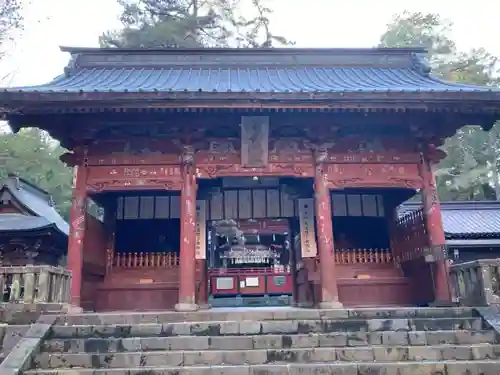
{"x": 18, "y": 223}
{"x": 36, "y": 201}
{"x": 243, "y": 76}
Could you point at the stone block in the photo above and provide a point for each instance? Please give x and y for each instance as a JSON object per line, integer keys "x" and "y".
{"x": 247, "y": 357}
{"x": 483, "y": 351}
{"x": 268, "y": 342}
{"x": 279, "y": 327}
{"x": 175, "y": 329}
{"x": 333, "y": 339}
{"x": 453, "y": 352}
{"x": 323, "y": 368}
{"x": 473, "y": 368}
{"x": 417, "y": 338}
{"x": 388, "y": 325}
{"x": 390, "y": 354}
{"x": 375, "y": 338}
{"x": 249, "y": 327}
{"x": 230, "y": 370}
{"x": 358, "y": 338}
{"x": 422, "y": 368}
{"x": 205, "y": 357}
{"x": 193, "y": 343}
{"x": 394, "y": 338}
{"x": 423, "y": 353}
{"x": 475, "y": 337}
{"x": 321, "y": 355}
{"x": 142, "y": 330}
{"x": 305, "y": 341}
{"x": 205, "y": 329}
{"x": 159, "y": 343}
{"x": 334, "y": 314}
{"x": 310, "y": 326}
{"x": 269, "y": 370}
{"x": 354, "y": 354}
{"x": 441, "y": 338}
{"x": 97, "y": 345}
{"x": 231, "y": 343}
{"x": 230, "y": 328}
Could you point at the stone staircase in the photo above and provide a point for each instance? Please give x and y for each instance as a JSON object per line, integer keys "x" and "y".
{"x": 426, "y": 341}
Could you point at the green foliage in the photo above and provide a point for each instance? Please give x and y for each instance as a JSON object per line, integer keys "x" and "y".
{"x": 470, "y": 170}
{"x": 193, "y": 23}
{"x": 31, "y": 154}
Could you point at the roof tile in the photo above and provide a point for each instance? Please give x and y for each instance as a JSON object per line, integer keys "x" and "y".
{"x": 260, "y": 79}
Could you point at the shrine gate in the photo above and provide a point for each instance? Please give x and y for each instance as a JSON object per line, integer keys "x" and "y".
{"x": 230, "y": 177}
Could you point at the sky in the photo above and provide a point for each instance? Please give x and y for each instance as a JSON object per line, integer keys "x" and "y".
{"x": 35, "y": 57}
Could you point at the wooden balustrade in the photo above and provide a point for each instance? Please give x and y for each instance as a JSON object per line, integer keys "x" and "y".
{"x": 32, "y": 284}
{"x": 476, "y": 283}
{"x": 145, "y": 260}
{"x": 354, "y": 256}
{"x": 362, "y": 256}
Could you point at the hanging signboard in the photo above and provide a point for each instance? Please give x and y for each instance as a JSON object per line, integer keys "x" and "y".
{"x": 307, "y": 234}
{"x": 201, "y": 235}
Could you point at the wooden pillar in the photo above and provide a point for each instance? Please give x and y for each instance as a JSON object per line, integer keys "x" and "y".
{"x": 187, "y": 278}
{"x": 437, "y": 253}
{"x": 77, "y": 233}
{"x": 329, "y": 290}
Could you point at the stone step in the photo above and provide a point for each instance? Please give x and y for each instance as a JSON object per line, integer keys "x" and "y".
{"x": 263, "y": 315}
{"x": 314, "y": 340}
{"x": 486, "y": 367}
{"x": 266, "y": 356}
{"x": 265, "y": 327}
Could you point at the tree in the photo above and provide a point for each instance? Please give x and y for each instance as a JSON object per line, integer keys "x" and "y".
{"x": 10, "y": 19}
{"x": 31, "y": 154}
{"x": 193, "y": 23}
{"x": 471, "y": 167}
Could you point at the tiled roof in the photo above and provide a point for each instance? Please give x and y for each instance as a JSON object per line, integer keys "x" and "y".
{"x": 247, "y": 70}
{"x": 35, "y": 200}
{"x": 466, "y": 219}
{"x": 279, "y": 80}
{"x": 20, "y": 222}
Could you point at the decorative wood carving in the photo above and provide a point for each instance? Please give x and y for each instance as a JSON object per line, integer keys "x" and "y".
{"x": 373, "y": 175}
{"x": 140, "y": 151}
{"x": 372, "y": 158}
{"x": 254, "y": 141}
{"x": 134, "y": 177}
{"x": 272, "y": 169}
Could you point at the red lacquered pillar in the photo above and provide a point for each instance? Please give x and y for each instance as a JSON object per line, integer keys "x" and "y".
{"x": 435, "y": 231}
{"x": 329, "y": 290}
{"x": 77, "y": 233}
{"x": 187, "y": 277}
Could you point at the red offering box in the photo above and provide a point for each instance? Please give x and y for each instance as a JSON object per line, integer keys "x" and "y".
{"x": 279, "y": 283}
{"x": 252, "y": 284}
{"x": 224, "y": 284}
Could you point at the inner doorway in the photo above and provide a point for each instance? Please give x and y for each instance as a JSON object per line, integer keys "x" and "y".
{"x": 250, "y": 253}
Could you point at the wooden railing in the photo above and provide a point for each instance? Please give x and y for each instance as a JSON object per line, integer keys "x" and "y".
{"x": 362, "y": 256}
{"x": 476, "y": 283}
{"x": 145, "y": 260}
{"x": 31, "y": 284}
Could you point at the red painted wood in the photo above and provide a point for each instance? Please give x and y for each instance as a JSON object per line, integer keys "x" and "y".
{"x": 77, "y": 234}
{"x": 187, "y": 286}
{"x": 329, "y": 291}
{"x": 435, "y": 230}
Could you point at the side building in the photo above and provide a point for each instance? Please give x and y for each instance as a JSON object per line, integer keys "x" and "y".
{"x": 33, "y": 244}
{"x": 471, "y": 228}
